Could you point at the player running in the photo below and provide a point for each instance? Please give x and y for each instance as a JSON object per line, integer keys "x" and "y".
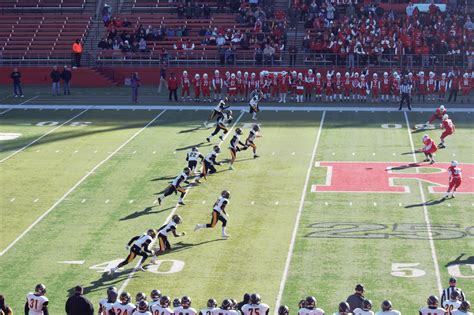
{"x": 221, "y": 106}
{"x": 139, "y": 247}
{"x": 253, "y": 104}
{"x": 222, "y": 122}
{"x": 170, "y": 227}
{"x": 218, "y": 214}
{"x": 208, "y": 163}
{"x": 234, "y": 146}
{"x": 255, "y": 306}
{"x": 432, "y": 308}
{"x": 250, "y": 142}
{"x": 192, "y": 159}
{"x": 123, "y": 305}
{"x": 449, "y": 129}
{"x": 455, "y": 179}
{"x": 175, "y": 187}
{"x": 429, "y": 149}
{"x": 37, "y": 302}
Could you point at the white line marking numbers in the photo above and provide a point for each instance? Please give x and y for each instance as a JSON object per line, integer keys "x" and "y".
{"x": 170, "y": 266}
{"x": 391, "y": 126}
{"x": 72, "y": 124}
{"x": 407, "y": 270}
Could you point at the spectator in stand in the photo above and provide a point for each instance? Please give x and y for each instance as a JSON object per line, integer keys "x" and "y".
{"x": 77, "y": 53}
{"x": 163, "y": 69}
{"x": 55, "y": 76}
{"x": 410, "y": 9}
{"x": 173, "y": 87}
{"x": 142, "y": 46}
{"x": 180, "y": 11}
{"x": 77, "y": 304}
{"x": 16, "y": 78}
{"x": 269, "y": 54}
{"x": 220, "y": 40}
{"x": 330, "y": 11}
{"x": 135, "y": 84}
{"x": 4, "y": 307}
{"x": 355, "y": 300}
{"x": 293, "y": 50}
{"x": 66, "y": 76}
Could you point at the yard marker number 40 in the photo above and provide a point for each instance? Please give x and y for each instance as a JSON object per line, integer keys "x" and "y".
{"x": 408, "y": 270}
{"x": 170, "y": 266}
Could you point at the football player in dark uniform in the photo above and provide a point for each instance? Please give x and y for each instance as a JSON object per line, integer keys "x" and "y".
{"x": 234, "y": 146}
{"x": 170, "y": 227}
{"x": 209, "y": 162}
{"x": 218, "y": 214}
{"x": 218, "y": 110}
{"x": 175, "y": 187}
{"x": 250, "y": 142}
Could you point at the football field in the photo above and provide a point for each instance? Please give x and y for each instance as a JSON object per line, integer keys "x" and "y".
{"x": 334, "y": 199}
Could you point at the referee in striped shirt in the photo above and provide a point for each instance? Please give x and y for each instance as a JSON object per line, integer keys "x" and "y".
{"x": 405, "y": 91}
{"x": 445, "y": 296}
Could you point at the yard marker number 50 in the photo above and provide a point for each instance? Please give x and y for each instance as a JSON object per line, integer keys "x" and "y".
{"x": 407, "y": 270}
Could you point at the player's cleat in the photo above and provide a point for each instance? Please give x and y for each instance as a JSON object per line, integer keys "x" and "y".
{"x": 208, "y": 139}
{"x": 441, "y": 146}
{"x": 187, "y": 182}
{"x": 432, "y": 162}
{"x": 256, "y": 156}
{"x": 197, "y": 181}
{"x": 159, "y": 201}
{"x": 140, "y": 268}
{"x": 112, "y": 270}
{"x": 153, "y": 260}
{"x": 426, "y": 160}
{"x": 181, "y": 203}
{"x": 221, "y": 137}
{"x": 225, "y": 236}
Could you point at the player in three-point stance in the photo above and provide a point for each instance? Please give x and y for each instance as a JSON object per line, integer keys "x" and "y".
{"x": 218, "y": 214}
{"x": 455, "y": 179}
{"x": 222, "y": 122}
{"x": 234, "y": 146}
{"x": 175, "y": 187}
{"x": 192, "y": 159}
{"x": 218, "y": 110}
{"x": 429, "y": 149}
{"x": 169, "y": 227}
{"x": 253, "y": 104}
{"x": 254, "y": 134}
{"x": 208, "y": 163}
{"x": 139, "y": 247}
{"x": 449, "y": 129}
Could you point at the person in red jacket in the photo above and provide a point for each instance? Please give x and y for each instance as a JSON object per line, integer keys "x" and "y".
{"x": 173, "y": 87}
{"x": 455, "y": 179}
{"x": 449, "y": 129}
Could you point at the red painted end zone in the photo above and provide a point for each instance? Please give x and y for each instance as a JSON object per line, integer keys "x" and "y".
{"x": 381, "y": 177}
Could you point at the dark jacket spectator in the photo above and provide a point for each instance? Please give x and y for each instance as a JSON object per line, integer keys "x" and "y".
{"x": 78, "y": 304}
{"x": 173, "y": 87}
{"x": 16, "y": 76}
{"x": 355, "y": 300}
{"x": 55, "y": 75}
{"x": 66, "y": 75}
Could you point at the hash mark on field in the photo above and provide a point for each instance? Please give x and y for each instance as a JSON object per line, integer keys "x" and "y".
{"x": 36, "y": 200}
{"x": 83, "y": 200}
{"x": 57, "y": 151}
{"x": 76, "y": 151}
{"x": 253, "y": 202}
{"x": 449, "y": 205}
{"x": 399, "y": 204}
{"x": 203, "y": 202}
{"x": 155, "y": 201}
{"x": 276, "y": 203}
{"x": 375, "y": 204}
{"x": 373, "y": 153}
{"x": 393, "y": 154}
{"x": 353, "y": 153}
{"x": 326, "y": 203}
{"x": 154, "y": 152}
{"x": 131, "y": 201}
{"x": 13, "y": 199}
{"x": 174, "y": 152}
{"x": 107, "y": 201}
{"x": 134, "y": 152}
{"x": 273, "y": 153}
{"x": 293, "y": 153}
{"x": 37, "y": 151}
{"x": 350, "y": 203}
{"x": 334, "y": 153}
{"x": 454, "y": 154}
{"x": 96, "y": 151}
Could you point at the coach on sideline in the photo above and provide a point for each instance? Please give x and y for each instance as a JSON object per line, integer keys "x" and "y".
{"x": 78, "y": 304}
{"x": 355, "y": 300}
{"x": 405, "y": 91}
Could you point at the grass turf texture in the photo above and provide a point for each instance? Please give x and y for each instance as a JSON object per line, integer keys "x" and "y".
{"x": 95, "y": 221}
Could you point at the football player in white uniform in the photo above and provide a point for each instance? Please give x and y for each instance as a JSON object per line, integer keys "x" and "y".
{"x": 250, "y": 142}
{"x": 283, "y": 310}
{"x": 142, "y": 308}
{"x": 432, "y": 308}
{"x": 185, "y": 308}
{"x": 464, "y": 309}
{"x": 255, "y": 306}
{"x": 155, "y": 296}
{"x": 253, "y": 104}
{"x": 37, "y": 302}
{"x": 176, "y": 187}
{"x": 211, "y": 307}
{"x": 222, "y": 122}
{"x": 310, "y": 307}
{"x": 139, "y": 247}
{"x": 365, "y": 309}
{"x": 217, "y": 112}
{"x": 163, "y": 308}
{"x": 106, "y": 304}
{"x": 208, "y": 163}
{"x": 123, "y": 305}
{"x": 343, "y": 309}
{"x": 169, "y": 227}
{"x": 453, "y": 303}
{"x": 192, "y": 157}
{"x": 225, "y": 309}
{"x": 218, "y": 214}
{"x": 234, "y": 147}
{"x": 387, "y": 309}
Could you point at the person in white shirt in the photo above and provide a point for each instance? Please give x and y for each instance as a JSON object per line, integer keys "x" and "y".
{"x": 255, "y": 306}
{"x": 464, "y": 309}
{"x": 365, "y": 309}
{"x": 37, "y": 302}
{"x": 225, "y": 309}
{"x": 453, "y": 303}
{"x": 432, "y": 308}
{"x": 387, "y": 309}
{"x": 155, "y": 296}
{"x": 310, "y": 307}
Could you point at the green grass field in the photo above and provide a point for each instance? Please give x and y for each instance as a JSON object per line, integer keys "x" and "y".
{"x": 78, "y": 184}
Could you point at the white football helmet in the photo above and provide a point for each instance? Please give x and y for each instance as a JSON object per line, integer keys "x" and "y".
{"x": 385, "y": 74}
{"x": 253, "y": 75}
{"x": 466, "y": 75}
{"x": 204, "y": 75}
{"x": 310, "y": 71}
{"x": 216, "y": 72}
{"x": 318, "y": 75}
{"x": 445, "y": 116}
{"x": 347, "y": 75}
{"x": 375, "y": 75}
{"x": 239, "y": 73}
{"x": 454, "y": 163}
{"x": 442, "y": 108}
{"x": 338, "y": 75}
{"x": 185, "y": 73}
{"x": 232, "y": 75}
{"x": 300, "y": 75}
{"x": 425, "y": 137}
{"x": 246, "y": 74}
{"x": 197, "y": 76}
{"x": 443, "y": 75}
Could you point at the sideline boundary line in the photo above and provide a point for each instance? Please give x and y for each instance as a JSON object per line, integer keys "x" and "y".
{"x": 132, "y": 273}
{"x": 41, "y": 137}
{"x": 298, "y": 217}
{"x": 239, "y": 107}
{"x": 13, "y": 106}
{"x": 32, "y": 225}
{"x": 426, "y": 215}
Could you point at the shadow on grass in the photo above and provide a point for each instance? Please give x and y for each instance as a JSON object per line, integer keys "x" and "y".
{"x": 428, "y": 203}
{"x": 180, "y": 246}
{"x": 146, "y": 211}
{"x": 404, "y": 167}
{"x": 411, "y": 152}
{"x": 199, "y": 145}
{"x": 458, "y": 261}
{"x": 104, "y": 282}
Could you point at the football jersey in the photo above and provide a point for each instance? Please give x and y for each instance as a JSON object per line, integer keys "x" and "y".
{"x": 224, "y": 119}
{"x": 455, "y": 172}
{"x": 157, "y": 309}
{"x": 181, "y": 178}
{"x": 458, "y": 312}
{"x": 450, "y": 306}
{"x": 254, "y": 101}
{"x": 153, "y": 303}
{"x": 220, "y": 203}
{"x": 448, "y": 125}
{"x": 222, "y": 105}
{"x": 211, "y": 157}
{"x": 252, "y": 135}
{"x": 391, "y": 312}
{"x": 208, "y": 311}
{"x": 194, "y": 155}
{"x": 234, "y": 141}
{"x": 184, "y": 311}
{"x": 165, "y": 229}
{"x": 219, "y": 311}
{"x": 307, "y": 311}
{"x": 337, "y": 313}
{"x": 255, "y": 309}
{"x": 123, "y": 309}
{"x": 143, "y": 240}
{"x": 359, "y": 311}
{"x": 105, "y": 306}
{"x": 36, "y": 303}
{"x": 137, "y": 312}
{"x": 432, "y": 311}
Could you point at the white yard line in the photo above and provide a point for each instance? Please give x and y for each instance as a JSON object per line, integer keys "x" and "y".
{"x": 132, "y": 273}
{"x": 41, "y": 137}
{"x": 425, "y": 213}
{"x": 10, "y": 107}
{"x": 298, "y": 217}
{"x": 92, "y": 171}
